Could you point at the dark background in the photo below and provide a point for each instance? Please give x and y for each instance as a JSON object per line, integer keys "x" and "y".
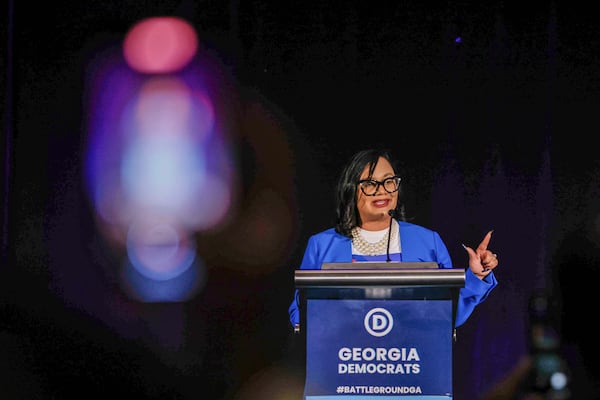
{"x": 496, "y": 131}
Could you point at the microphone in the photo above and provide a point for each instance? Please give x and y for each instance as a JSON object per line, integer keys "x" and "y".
{"x": 391, "y": 213}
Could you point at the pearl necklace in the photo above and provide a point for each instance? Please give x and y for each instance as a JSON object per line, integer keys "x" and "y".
{"x": 373, "y": 249}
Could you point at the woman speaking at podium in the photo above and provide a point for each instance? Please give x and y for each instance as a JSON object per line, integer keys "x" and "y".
{"x": 371, "y": 226}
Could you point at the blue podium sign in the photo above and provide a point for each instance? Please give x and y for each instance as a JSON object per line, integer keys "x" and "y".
{"x": 378, "y": 349}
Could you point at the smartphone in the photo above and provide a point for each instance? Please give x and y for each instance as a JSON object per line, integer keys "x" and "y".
{"x": 549, "y": 375}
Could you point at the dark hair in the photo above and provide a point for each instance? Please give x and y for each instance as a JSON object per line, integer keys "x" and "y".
{"x": 347, "y": 216}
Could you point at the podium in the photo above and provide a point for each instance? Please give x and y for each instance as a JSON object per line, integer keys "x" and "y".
{"x": 378, "y": 331}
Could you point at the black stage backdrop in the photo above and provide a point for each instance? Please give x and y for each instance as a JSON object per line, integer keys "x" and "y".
{"x": 494, "y": 131}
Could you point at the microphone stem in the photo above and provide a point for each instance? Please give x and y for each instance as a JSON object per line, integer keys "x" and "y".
{"x": 389, "y": 239}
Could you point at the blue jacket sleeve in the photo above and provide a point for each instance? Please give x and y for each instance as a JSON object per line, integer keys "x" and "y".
{"x": 427, "y": 245}
{"x": 293, "y": 310}
{"x": 309, "y": 261}
{"x": 473, "y": 293}
{"x": 475, "y": 290}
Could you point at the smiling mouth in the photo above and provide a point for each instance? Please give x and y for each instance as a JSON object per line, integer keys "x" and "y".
{"x": 381, "y": 203}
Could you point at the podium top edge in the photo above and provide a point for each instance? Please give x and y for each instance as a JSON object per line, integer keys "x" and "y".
{"x": 454, "y": 277}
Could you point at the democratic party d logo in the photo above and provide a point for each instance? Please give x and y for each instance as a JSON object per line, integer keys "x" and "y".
{"x": 379, "y": 322}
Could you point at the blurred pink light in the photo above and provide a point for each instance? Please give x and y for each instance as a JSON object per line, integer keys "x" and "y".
{"x": 159, "y": 167}
{"x": 160, "y": 45}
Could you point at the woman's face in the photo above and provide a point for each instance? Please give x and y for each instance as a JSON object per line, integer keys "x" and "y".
{"x": 373, "y": 210}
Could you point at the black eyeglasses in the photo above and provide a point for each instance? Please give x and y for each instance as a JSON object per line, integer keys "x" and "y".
{"x": 370, "y": 186}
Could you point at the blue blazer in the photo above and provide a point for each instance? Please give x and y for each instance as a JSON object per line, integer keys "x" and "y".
{"x": 417, "y": 244}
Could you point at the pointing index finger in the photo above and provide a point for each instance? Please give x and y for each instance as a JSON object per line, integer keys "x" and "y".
{"x": 485, "y": 242}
